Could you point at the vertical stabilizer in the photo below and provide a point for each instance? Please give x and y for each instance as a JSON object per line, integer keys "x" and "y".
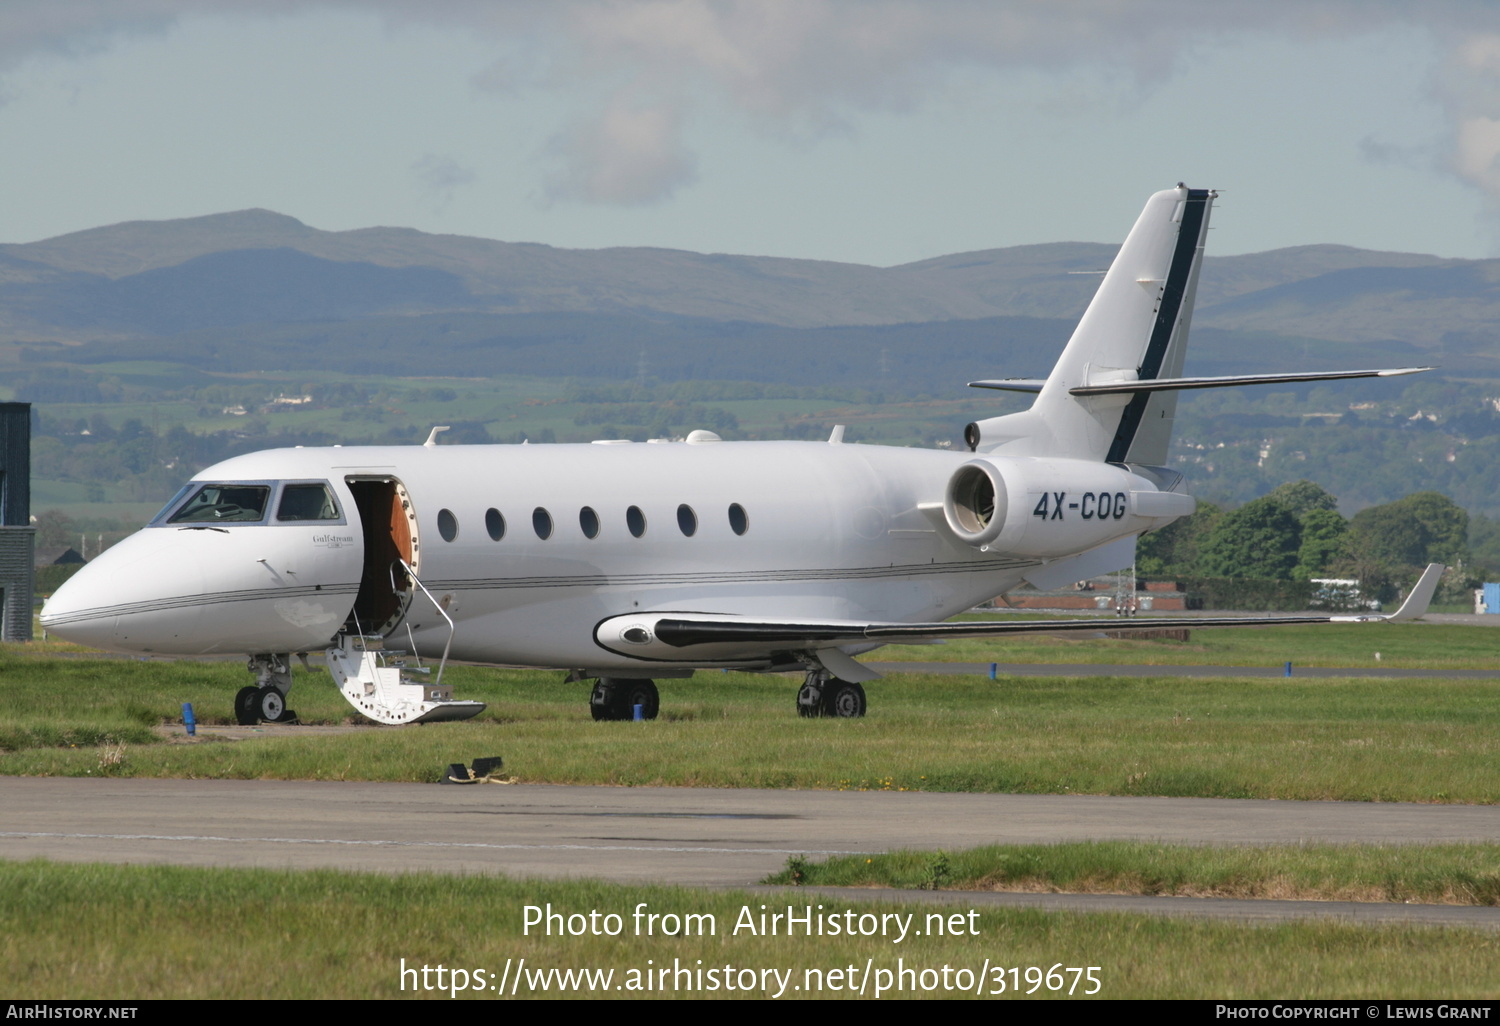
{"x": 1135, "y": 329}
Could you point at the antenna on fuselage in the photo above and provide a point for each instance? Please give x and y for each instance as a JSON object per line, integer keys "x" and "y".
{"x": 432, "y": 438}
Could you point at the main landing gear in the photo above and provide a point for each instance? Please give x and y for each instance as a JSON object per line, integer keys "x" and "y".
{"x": 825, "y": 695}
{"x": 615, "y": 698}
{"x": 266, "y": 700}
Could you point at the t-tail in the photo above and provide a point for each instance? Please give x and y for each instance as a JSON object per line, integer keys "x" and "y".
{"x": 1112, "y": 395}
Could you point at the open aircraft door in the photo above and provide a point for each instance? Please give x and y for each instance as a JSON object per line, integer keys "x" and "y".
{"x": 377, "y": 681}
{"x": 388, "y": 527}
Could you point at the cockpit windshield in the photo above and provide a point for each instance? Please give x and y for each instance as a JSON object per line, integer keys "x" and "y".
{"x": 307, "y": 502}
{"x": 250, "y": 502}
{"x": 224, "y": 504}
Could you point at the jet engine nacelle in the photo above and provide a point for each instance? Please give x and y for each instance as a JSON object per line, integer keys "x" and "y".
{"x": 1053, "y": 507}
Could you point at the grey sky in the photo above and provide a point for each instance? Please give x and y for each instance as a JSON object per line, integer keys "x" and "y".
{"x": 877, "y": 131}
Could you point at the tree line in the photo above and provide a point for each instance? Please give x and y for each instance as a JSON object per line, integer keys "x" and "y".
{"x": 1295, "y": 533}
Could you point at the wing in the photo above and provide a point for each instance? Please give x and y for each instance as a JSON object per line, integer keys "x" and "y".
{"x": 711, "y": 638}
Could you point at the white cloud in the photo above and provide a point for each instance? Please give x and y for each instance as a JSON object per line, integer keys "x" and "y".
{"x": 630, "y": 154}
{"x": 1470, "y": 86}
{"x": 439, "y": 175}
{"x": 802, "y": 68}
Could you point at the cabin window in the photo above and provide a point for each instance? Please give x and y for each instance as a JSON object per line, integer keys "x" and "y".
{"x": 687, "y": 520}
{"x": 494, "y": 523}
{"x": 739, "y": 522}
{"x": 447, "y": 524}
{"x": 307, "y": 502}
{"x": 541, "y": 523}
{"x": 224, "y": 504}
{"x": 635, "y": 520}
{"x": 589, "y": 521}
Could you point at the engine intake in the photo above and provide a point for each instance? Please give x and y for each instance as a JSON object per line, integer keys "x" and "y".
{"x": 976, "y": 502}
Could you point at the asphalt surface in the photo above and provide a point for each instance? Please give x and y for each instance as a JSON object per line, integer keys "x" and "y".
{"x": 1135, "y": 670}
{"x": 701, "y": 837}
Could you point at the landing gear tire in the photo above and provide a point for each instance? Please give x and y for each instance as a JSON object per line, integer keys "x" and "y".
{"x": 270, "y": 705}
{"x": 638, "y": 692}
{"x": 615, "y": 698}
{"x": 244, "y": 706}
{"x": 843, "y": 699}
{"x": 602, "y": 701}
{"x": 266, "y": 701}
{"x": 810, "y": 700}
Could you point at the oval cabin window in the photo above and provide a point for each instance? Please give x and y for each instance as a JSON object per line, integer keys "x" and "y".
{"x": 739, "y": 521}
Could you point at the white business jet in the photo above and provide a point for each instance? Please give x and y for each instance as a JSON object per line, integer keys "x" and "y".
{"x": 623, "y": 562}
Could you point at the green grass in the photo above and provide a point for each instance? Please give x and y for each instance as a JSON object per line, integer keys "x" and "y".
{"x": 135, "y": 932}
{"x": 1454, "y": 874}
{"x": 1350, "y": 739}
{"x": 1403, "y": 646}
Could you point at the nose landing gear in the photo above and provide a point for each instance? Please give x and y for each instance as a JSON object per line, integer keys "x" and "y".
{"x": 266, "y": 700}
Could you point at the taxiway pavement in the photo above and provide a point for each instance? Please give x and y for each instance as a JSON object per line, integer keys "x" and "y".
{"x": 703, "y": 837}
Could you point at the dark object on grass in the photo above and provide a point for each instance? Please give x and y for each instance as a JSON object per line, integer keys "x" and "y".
{"x": 482, "y": 768}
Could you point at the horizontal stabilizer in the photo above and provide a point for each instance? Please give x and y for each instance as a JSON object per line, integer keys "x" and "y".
{"x": 1227, "y": 381}
{"x": 1011, "y": 384}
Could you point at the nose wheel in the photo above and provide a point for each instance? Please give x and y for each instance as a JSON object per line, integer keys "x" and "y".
{"x": 254, "y": 705}
{"x": 265, "y": 702}
{"x": 244, "y": 706}
{"x": 270, "y": 705}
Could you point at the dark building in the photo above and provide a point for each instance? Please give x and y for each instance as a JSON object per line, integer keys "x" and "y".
{"x": 17, "y": 536}
{"x": 58, "y": 555}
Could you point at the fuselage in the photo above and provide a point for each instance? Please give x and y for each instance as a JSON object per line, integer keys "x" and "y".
{"x": 528, "y": 547}
{"x": 554, "y": 555}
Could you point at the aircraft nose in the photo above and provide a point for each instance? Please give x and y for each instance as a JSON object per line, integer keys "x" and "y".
{"x": 73, "y": 614}
{"x": 102, "y": 604}
{"x": 196, "y": 590}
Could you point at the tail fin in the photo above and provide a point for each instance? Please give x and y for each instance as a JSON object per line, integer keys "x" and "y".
{"x": 1135, "y": 329}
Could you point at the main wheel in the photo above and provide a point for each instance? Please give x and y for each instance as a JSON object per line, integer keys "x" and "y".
{"x": 615, "y": 698}
{"x": 270, "y": 704}
{"x": 602, "y": 701}
{"x": 843, "y": 699}
{"x": 634, "y": 692}
{"x": 810, "y": 701}
{"x": 244, "y": 706}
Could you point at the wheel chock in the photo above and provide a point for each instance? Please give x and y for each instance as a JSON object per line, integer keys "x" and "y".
{"x": 479, "y": 773}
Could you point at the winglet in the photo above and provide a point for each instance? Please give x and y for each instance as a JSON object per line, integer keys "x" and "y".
{"x": 1416, "y": 603}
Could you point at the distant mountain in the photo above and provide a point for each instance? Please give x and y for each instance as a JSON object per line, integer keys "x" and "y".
{"x": 497, "y": 276}
{"x": 237, "y": 287}
{"x": 159, "y": 278}
{"x": 1329, "y": 292}
{"x": 1436, "y": 304}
